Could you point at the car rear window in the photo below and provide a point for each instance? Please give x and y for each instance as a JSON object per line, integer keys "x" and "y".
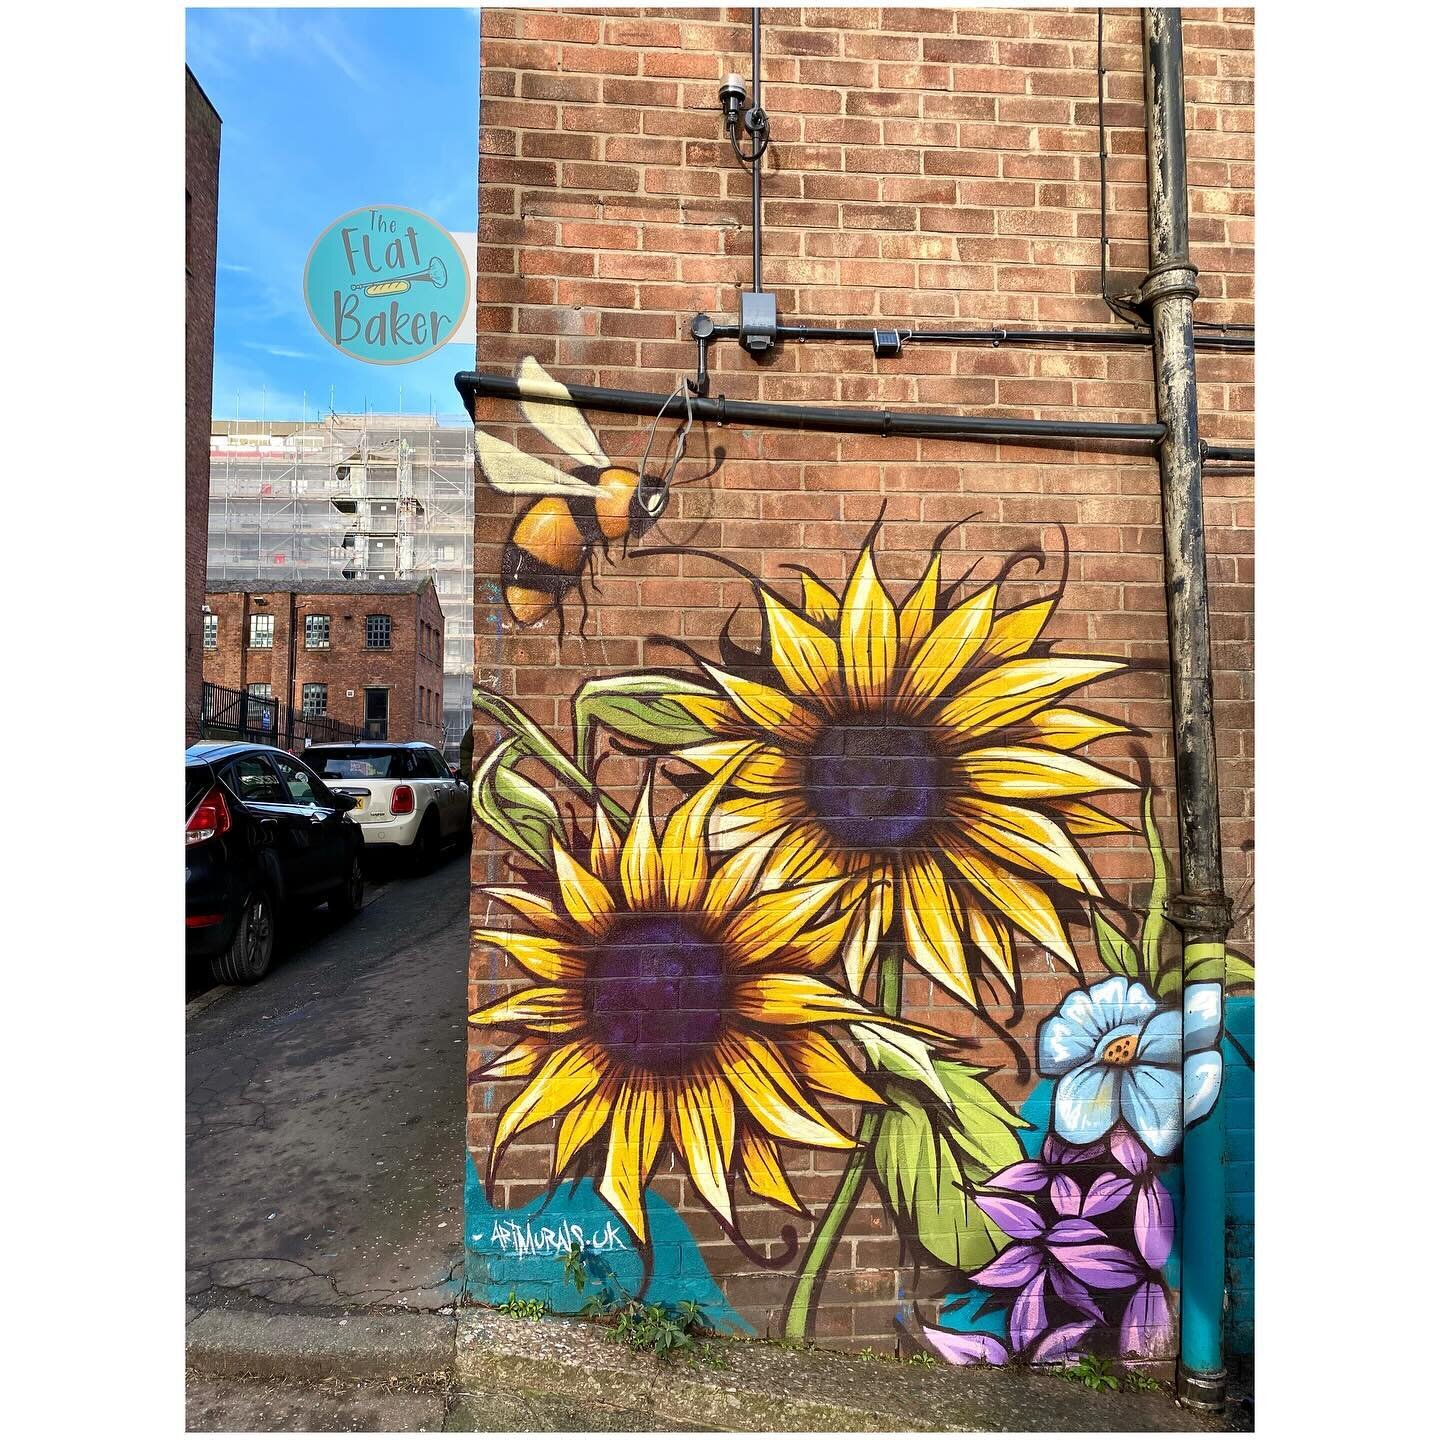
{"x": 361, "y": 765}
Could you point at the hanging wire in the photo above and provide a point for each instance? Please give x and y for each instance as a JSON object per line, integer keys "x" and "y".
{"x": 681, "y": 438}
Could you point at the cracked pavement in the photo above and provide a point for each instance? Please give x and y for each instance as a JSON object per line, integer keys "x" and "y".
{"x": 325, "y": 1118}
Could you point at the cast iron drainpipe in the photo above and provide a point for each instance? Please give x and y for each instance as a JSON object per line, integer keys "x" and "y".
{"x": 1202, "y": 909}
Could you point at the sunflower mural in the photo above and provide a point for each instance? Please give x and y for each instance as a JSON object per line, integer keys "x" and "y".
{"x": 890, "y": 784}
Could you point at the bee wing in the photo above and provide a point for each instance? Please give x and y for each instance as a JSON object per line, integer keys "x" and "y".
{"x": 512, "y": 472}
{"x": 557, "y": 419}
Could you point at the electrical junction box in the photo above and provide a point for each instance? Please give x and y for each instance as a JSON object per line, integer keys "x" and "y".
{"x": 757, "y": 321}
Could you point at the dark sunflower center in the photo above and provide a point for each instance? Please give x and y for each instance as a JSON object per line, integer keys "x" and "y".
{"x": 873, "y": 784}
{"x": 658, "y": 992}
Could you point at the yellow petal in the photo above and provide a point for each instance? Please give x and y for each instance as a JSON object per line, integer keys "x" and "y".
{"x": 713, "y": 711}
{"x": 747, "y": 818}
{"x": 868, "y": 633}
{"x": 1085, "y": 819}
{"x": 1027, "y": 839}
{"x": 586, "y": 900}
{"x": 734, "y": 880}
{"x": 951, "y": 646}
{"x": 763, "y": 1081}
{"x": 875, "y": 915}
{"x": 1065, "y": 729}
{"x": 1023, "y": 772}
{"x": 568, "y": 1074}
{"x": 917, "y": 614}
{"x": 805, "y": 657}
{"x": 1015, "y": 631}
{"x": 793, "y": 1000}
{"x": 932, "y": 929}
{"x": 1024, "y": 904}
{"x": 583, "y": 1122}
{"x": 819, "y": 600}
{"x": 635, "y": 1133}
{"x": 544, "y": 957}
{"x": 825, "y": 1069}
{"x": 802, "y": 854}
{"x": 518, "y": 1061}
{"x": 641, "y": 877}
{"x": 604, "y": 847}
{"x": 535, "y": 908}
{"x": 992, "y": 939}
{"x": 1016, "y": 690}
{"x": 763, "y": 1173}
{"x": 546, "y": 1009}
{"x": 702, "y": 1125}
{"x": 771, "y": 921}
{"x": 769, "y": 709}
{"x": 770, "y": 772}
{"x": 710, "y": 756}
{"x": 684, "y": 854}
{"x": 815, "y": 949}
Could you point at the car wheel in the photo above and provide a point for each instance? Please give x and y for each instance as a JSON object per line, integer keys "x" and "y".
{"x": 346, "y": 901}
{"x": 427, "y": 844}
{"x": 248, "y": 956}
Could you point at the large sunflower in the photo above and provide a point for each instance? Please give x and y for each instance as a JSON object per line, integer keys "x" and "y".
{"x": 920, "y": 754}
{"x": 675, "y": 999}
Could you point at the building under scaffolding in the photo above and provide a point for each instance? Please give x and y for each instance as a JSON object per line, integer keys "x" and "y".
{"x": 353, "y": 497}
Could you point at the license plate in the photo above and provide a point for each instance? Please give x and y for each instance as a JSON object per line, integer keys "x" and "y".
{"x": 360, "y": 803}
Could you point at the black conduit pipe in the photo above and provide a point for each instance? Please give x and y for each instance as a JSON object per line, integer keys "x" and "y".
{"x": 755, "y": 217}
{"x": 472, "y": 384}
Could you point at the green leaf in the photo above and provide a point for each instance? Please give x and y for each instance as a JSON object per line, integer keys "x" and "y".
{"x": 1152, "y": 937}
{"x": 514, "y": 807}
{"x": 902, "y": 1054}
{"x": 640, "y": 707}
{"x": 1229, "y": 969}
{"x": 1117, "y": 954}
{"x": 929, "y": 1163}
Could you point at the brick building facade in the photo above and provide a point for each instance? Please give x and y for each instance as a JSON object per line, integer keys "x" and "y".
{"x": 932, "y": 168}
{"x": 370, "y": 658}
{"x": 202, "y": 187}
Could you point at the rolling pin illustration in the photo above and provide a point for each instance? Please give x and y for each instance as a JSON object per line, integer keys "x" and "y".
{"x": 432, "y": 274}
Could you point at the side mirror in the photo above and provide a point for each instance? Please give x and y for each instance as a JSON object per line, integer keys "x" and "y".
{"x": 455, "y": 771}
{"x": 344, "y": 803}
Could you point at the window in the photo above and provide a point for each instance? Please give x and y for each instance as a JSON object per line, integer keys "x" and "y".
{"x": 259, "y": 715}
{"x": 377, "y": 633}
{"x": 420, "y": 704}
{"x": 377, "y": 713}
{"x": 262, "y": 632}
{"x": 252, "y": 779}
{"x": 361, "y": 764}
{"x": 212, "y": 631}
{"x": 431, "y": 762}
{"x": 314, "y": 699}
{"x": 297, "y": 781}
{"x": 317, "y": 632}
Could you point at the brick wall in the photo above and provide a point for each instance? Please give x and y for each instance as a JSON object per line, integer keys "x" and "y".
{"x": 202, "y": 180}
{"x": 412, "y": 663}
{"x": 933, "y": 166}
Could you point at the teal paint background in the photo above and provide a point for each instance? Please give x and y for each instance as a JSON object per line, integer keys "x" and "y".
{"x": 327, "y": 271}
{"x": 679, "y": 1272}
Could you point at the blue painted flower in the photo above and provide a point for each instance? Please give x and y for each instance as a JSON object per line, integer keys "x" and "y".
{"x": 1117, "y": 1053}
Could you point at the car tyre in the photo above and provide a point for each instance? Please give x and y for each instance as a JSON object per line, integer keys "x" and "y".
{"x": 348, "y": 898}
{"x": 251, "y": 951}
{"x": 427, "y": 844}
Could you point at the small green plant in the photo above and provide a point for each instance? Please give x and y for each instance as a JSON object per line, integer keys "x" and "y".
{"x": 1094, "y": 1374}
{"x": 519, "y": 1309}
{"x": 922, "y": 1357}
{"x": 573, "y": 1264}
{"x": 1134, "y": 1380}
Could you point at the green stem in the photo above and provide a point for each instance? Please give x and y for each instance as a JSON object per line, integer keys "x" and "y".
{"x": 832, "y": 1224}
{"x": 517, "y": 723}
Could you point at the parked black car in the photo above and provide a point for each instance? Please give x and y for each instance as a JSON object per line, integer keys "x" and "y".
{"x": 263, "y": 833}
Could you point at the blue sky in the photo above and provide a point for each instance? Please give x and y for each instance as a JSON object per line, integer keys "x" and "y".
{"x": 324, "y": 111}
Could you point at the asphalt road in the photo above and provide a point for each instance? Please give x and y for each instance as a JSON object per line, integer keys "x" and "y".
{"x": 325, "y": 1115}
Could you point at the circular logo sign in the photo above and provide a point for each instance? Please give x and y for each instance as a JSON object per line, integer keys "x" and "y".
{"x": 387, "y": 285}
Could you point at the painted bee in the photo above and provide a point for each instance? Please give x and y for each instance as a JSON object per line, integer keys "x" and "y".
{"x": 555, "y": 538}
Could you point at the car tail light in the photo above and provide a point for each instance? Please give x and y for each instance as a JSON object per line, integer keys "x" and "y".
{"x": 402, "y": 802}
{"x": 211, "y": 817}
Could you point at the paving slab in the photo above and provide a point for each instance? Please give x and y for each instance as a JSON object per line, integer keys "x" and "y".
{"x": 753, "y": 1387}
{"x": 312, "y": 1345}
{"x": 233, "y": 1405}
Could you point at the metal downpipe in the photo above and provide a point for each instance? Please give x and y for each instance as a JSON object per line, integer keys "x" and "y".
{"x": 1202, "y": 909}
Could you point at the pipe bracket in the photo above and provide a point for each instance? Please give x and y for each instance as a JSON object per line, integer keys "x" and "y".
{"x": 1200, "y": 914}
{"x": 1175, "y": 277}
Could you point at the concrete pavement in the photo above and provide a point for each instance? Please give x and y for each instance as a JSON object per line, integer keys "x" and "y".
{"x": 325, "y": 1112}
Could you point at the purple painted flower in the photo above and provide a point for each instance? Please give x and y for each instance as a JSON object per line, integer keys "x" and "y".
{"x": 1145, "y": 1326}
{"x": 1069, "y": 1258}
{"x": 1117, "y": 1054}
{"x": 974, "y": 1348}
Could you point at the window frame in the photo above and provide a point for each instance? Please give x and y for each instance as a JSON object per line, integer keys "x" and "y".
{"x": 210, "y": 631}
{"x": 256, "y": 629}
{"x": 317, "y": 644}
{"x": 372, "y": 619}
{"x": 324, "y": 688}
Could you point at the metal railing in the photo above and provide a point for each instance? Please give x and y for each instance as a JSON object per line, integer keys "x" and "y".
{"x": 227, "y": 714}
